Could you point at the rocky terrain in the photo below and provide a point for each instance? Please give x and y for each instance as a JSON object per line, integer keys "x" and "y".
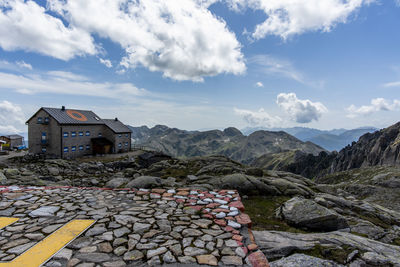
{"x": 381, "y": 148}
{"x": 229, "y": 142}
{"x": 295, "y": 220}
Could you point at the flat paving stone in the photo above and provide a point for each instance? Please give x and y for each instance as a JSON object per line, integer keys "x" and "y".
{"x": 133, "y": 227}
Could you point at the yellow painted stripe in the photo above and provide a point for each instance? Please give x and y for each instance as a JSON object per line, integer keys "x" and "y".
{"x": 44, "y": 250}
{"x": 5, "y": 221}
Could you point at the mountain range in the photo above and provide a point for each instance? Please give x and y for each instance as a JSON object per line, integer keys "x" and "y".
{"x": 381, "y": 148}
{"x": 229, "y": 142}
{"x": 331, "y": 140}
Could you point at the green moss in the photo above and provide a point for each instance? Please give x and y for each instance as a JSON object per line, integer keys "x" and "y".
{"x": 396, "y": 242}
{"x": 360, "y": 234}
{"x": 177, "y": 173}
{"x": 337, "y": 254}
{"x": 375, "y": 221}
{"x": 261, "y": 210}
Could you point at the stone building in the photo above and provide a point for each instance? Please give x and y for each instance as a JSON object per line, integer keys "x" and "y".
{"x": 12, "y": 141}
{"x": 68, "y": 133}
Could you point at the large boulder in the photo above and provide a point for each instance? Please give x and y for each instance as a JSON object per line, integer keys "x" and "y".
{"x": 145, "y": 182}
{"x": 3, "y": 178}
{"x": 303, "y": 261}
{"x": 307, "y": 213}
{"x": 276, "y": 244}
{"x": 245, "y": 184}
{"x": 116, "y": 182}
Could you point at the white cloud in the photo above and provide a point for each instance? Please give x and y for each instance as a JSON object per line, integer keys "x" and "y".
{"x": 392, "y": 84}
{"x": 23, "y": 64}
{"x": 377, "y": 104}
{"x": 66, "y": 83}
{"x": 259, "y": 84}
{"x": 11, "y": 118}
{"x": 301, "y": 111}
{"x": 27, "y": 26}
{"x": 276, "y": 66}
{"x": 286, "y": 18}
{"x": 106, "y": 62}
{"x": 181, "y": 39}
{"x": 258, "y": 118}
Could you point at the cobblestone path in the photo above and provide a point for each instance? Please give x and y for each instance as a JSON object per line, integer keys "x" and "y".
{"x": 176, "y": 227}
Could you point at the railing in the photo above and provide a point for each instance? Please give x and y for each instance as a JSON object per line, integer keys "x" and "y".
{"x": 145, "y": 148}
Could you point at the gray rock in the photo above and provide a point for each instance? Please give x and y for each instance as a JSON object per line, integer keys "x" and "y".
{"x": 276, "y": 244}
{"x": 140, "y": 228}
{"x": 155, "y": 252}
{"x": 191, "y": 251}
{"x": 307, "y": 213}
{"x": 93, "y": 257}
{"x": 121, "y": 231}
{"x": 44, "y": 211}
{"x": 145, "y": 182}
{"x": 133, "y": 255}
{"x": 303, "y": 261}
{"x": 169, "y": 258}
{"x": 116, "y": 182}
{"x": 245, "y": 184}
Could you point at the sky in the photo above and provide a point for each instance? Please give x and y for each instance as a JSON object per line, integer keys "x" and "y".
{"x": 203, "y": 64}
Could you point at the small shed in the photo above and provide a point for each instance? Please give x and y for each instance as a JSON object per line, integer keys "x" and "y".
{"x": 12, "y": 141}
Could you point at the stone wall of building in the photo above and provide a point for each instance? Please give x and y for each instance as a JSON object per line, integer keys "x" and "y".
{"x": 76, "y": 139}
{"x": 39, "y": 126}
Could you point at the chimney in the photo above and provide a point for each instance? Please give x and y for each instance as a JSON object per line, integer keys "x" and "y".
{"x": 63, "y": 108}
{"x": 116, "y": 119}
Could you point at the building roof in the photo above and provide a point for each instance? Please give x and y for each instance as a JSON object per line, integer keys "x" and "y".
{"x": 116, "y": 126}
{"x": 13, "y": 136}
{"x": 73, "y": 116}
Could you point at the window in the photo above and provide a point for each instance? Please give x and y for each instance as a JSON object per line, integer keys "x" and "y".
{"x": 87, "y": 133}
{"x": 66, "y": 149}
{"x": 73, "y": 134}
{"x": 126, "y": 143}
{"x": 66, "y": 134}
{"x": 44, "y": 149}
{"x": 46, "y": 120}
{"x": 126, "y": 135}
{"x": 80, "y": 133}
{"x": 39, "y": 120}
{"x": 73, "y": 148}
{"x": 44, "y": 138}
{"x": 120, "y": 135}
{"x": 81, "y": 148}
{"x": 100, "y": 135}
{"x": 119, "y": 145}
{"x": 87, "y": 147}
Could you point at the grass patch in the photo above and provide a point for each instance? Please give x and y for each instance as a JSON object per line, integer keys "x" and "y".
{"x": 261, "y": 210}
{"x": 337, "y": 254}
{"x": 396, "y": 242}
{"x": 173, "y": 172}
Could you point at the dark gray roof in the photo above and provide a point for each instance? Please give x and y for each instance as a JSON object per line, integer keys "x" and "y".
{"x": 116, "y": 126}
{"x": 13, "y": 136}
{"x": 63, "y": 118}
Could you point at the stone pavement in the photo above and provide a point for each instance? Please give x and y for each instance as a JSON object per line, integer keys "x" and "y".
{"x": 145, "y": 227}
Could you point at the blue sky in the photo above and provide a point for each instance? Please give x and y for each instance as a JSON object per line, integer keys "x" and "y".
{"x": 203, "y": 64}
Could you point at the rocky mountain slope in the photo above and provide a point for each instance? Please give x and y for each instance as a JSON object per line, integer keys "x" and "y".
{"x": 229, "y": 142}
{"x": 294, "y": 218}
{"x": 331, "y": 140}
{"x": 381, "y": 148}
